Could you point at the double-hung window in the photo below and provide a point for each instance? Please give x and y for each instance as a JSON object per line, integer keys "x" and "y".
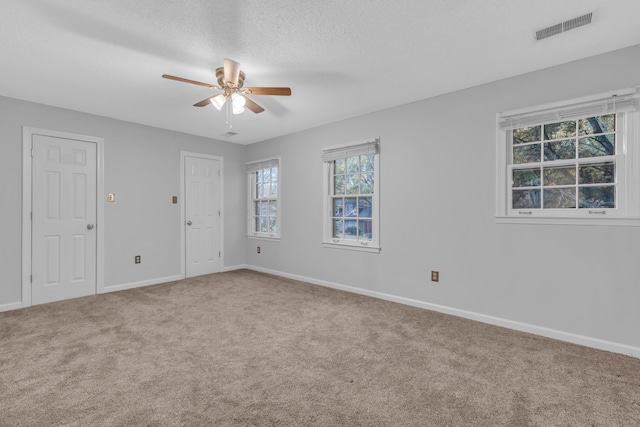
{"x": 575, "y": 162}
{"x": 351, "y": 195}
{"x": 264, "y": 198}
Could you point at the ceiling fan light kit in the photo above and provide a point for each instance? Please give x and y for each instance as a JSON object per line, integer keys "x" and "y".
{"x": 218, "y": 101}
{"x": 231, "y": 82}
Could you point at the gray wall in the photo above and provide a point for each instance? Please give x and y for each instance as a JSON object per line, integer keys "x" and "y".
{"x": 142, "y": 166}
{"x": 437, "y": 208}
{"x": 437, "y": 213}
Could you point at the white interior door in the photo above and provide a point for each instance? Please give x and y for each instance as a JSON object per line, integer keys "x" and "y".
{"x": 63, "y": 260}
{"x": 202, "y": 216}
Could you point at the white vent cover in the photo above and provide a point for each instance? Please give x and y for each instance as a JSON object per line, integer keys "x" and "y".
{"x": 564, "y": 26}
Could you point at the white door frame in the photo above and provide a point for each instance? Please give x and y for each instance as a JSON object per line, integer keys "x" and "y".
{"x": 27, "y": 175}
{"x": 183, "y": 237}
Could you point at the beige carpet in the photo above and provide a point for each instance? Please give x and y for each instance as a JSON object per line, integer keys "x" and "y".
{"x": 247, "y": 349}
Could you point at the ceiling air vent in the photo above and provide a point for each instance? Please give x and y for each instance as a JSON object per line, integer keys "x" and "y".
{"x": 564, "y": 26}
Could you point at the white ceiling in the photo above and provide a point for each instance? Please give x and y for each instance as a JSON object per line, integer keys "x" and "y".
{"x": 340, "y": 58}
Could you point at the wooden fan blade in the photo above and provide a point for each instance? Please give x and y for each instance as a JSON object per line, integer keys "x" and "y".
{"x": 203, "y": 103}
{"x": 193, "y": 82}
{"x": 252, "y": 105}
{"x": 281, "y": 91}
{"x": 231, "y": 71}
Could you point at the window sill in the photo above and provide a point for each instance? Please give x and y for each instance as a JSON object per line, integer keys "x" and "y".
{"x": 349, "y": 247}
{"x": 624, "y": 222}
{"x": 265, "y": 237}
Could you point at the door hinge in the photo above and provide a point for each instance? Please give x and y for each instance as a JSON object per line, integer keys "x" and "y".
{"x": 32, "y": 152}
{"x": 219, "y": 214}
{"x": 219, "y": 254}
{"x": 31, "y": 278}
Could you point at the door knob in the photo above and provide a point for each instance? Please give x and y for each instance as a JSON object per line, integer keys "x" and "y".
{"x": 89, "y": 226}
{"x": 189, "y": 223}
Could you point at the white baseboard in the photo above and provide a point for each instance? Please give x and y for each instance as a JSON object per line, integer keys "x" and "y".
{"x": 11, "y": 306}
{"x": 497, "y": 321}
{"x": 235, "y": 267}
{"x": 124, "y": 286}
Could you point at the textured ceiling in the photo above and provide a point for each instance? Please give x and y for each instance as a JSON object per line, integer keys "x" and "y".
{"x": 340, "y": 58}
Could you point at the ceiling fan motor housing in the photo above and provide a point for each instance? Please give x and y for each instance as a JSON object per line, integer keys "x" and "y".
{"x": 223, "y": 83}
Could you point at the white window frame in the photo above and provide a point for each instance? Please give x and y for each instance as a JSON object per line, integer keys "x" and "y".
{"x": 252, "y": 168}
{"x": 329, "y": 155}
{"x": 625, "y": 104}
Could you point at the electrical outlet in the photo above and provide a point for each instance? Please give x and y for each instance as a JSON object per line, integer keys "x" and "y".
{"x": 137, "y": 259}
{"x": 258, "y": 249}
{"x": 435, "y": 276}
{"x": 174, "y": 199}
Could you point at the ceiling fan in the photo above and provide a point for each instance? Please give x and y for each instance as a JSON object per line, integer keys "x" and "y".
{"x": 231, "y": 83}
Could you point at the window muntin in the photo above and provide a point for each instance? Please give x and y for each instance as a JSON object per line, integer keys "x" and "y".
{"x": 264, "y": 201}
{"x": 352, "y": 202}
{"x": 569, "y": 164}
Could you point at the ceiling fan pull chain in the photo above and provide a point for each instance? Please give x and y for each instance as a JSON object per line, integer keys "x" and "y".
{"x": 229, "y": 112}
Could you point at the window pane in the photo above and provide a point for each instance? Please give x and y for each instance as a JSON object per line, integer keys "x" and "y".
{"x": 259, "y": 177}
{"x": 594, "y": 146}
{"x": 560, "y": 176}
{"x": 364, "y": 229}
{"x": 259, "y": 190}
{"x": 526, "y": 154}
{"x": 353, "y": 165}
{"x": 351, "y": 229}
{"x": 338, "y": 207}
{"x": 350, "y": 207}
{"x": 530, "y": 134}
{"x": 526, "y": 177}
{"x": 263, "y": 225}
{"x": 366, "y": 163}
{"x": 597, "y": 197}
{"x": 264, "y": 209}
{"x": 560, "y": 150}
{"x": 266, "y": 190}
{"x": 274, "y": 189}
{"x": 596, "y": 174}
{"x": 338, "y": 228}
{"x": 339, "y": 184}
{"x": 364, "y": 207}
{"x": 526, "y": 199}
{"x": 560, "y": 130}
{"x": 273, "y": 209}
{"x": 366, "y": 183}
{"x": 594, "y": 125}
{"x": 559, "y": 198}
{"x": 339, "y": 166}
{"x": 266, "y": 175}
{"x": 353, "y": 184}
{"x": 256, "y": 206}
{"x": 272, "y": 225}
{"x": 274, "y": 174}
